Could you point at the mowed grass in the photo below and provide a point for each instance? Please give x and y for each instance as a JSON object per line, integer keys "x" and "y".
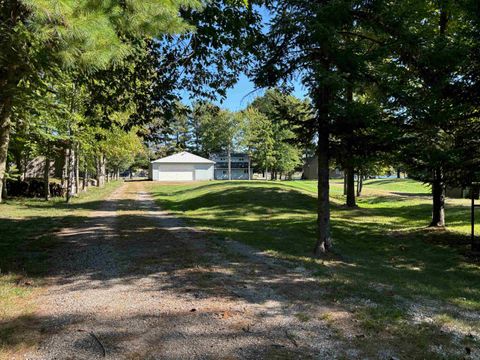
{"x": 26, "y": 236}
{"x": 389, "y": 270}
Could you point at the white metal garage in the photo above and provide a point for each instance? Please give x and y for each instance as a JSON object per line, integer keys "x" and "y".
{"x": 183, "y": 166}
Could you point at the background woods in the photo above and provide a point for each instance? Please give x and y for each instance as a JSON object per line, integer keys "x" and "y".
{"x": 386, "y": 84}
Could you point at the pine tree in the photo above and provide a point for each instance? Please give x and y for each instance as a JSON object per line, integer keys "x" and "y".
{"x": 426, "y": 69}
{"x": 84, "y": 35}
{"x": 306, "y": 40}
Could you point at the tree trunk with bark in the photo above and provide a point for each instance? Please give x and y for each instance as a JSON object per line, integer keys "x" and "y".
{"x": 438, "y": 196}
{"x": 5, "y": 126}
{"x": 322, "y": 102}
{"x": 350, "y": 186}
{"x": 85, "y": 179}
{"x": 70, "y": 173}
{"x": 63, "y": 178}
{"x": 100, "y": 165}
{"x": 46, "y": 178}
{"x": 77, "y": 169}
{"x": 359, "y": 184}
{"x": 324, "y": 242}
{"x": 3, "y": 186}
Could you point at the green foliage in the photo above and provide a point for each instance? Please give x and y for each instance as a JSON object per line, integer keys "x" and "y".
{"x": 270, "y": 136}
{"x": 428, "y": 91}
{"x": 208, "y": 61}
{"x": 258, "y": 138}
{"x": 390, "y": 266}
{"x": 77, "y": 40}
{"x": 212, "y": 130}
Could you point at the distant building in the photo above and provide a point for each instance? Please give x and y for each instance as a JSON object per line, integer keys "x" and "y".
{"x": 310, "y": 170}
{"x": 239, "y": 166}
{"x": 181, "y": 167}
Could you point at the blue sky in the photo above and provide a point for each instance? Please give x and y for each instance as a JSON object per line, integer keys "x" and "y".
{"x": 244, "y": 92}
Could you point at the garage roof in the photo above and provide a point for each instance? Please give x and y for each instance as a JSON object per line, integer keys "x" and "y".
{"x": 185, "y": 158}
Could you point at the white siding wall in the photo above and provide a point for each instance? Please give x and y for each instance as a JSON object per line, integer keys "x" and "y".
{"x": 155, "y": 171}
{"x": 182, "y": 172}
{"x": 204, "y": 172}
{"x": 237, "y": 174}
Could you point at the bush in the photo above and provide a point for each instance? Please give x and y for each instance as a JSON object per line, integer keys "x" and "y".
{"x": 32, "y": 188}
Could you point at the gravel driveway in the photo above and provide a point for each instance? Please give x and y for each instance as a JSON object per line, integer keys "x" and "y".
{"x": 133, "y": 282}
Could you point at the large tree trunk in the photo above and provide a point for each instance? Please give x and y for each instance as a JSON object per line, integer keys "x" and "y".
{"x": 46, "y": 178}
{"x": 100, "y": 162}
{"x": 438, "y": 195}
{"x": 359, "y": 184}
{"x": 63, "y": 179}
{"x": 350, "y": 186}
{"x": 77, "y": 169}
{"x": 85, "y": 178}
{"x": 474, "y": 240}
{"x": 5, "y": 125}
{"x": 398, "y": 173}
{"x": 324, "y": 242}
{"x": 70, "y": 173}
{"x": 322, "y": 102}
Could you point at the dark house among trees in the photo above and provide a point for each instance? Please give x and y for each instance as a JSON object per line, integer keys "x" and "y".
{"x": 233, "y": 167}
{"x": 310, "y": 170}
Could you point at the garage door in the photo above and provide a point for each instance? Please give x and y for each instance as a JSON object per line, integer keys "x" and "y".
{"x": 176, "y": 173}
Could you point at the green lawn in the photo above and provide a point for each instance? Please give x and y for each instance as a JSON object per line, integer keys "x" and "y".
{"x": 403, "y": 186}
{"x": 386, "y": 257}
{"x": 26, "y": 225}
{"x": 26, "y": 228}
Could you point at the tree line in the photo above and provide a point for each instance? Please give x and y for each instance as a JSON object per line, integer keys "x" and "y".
{"x": 90, "y": 82}
{"x": 266, "y": 130}
{"x": 387, "y": 81}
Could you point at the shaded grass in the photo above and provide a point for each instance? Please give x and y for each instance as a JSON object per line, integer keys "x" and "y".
{"x": 26, "y": 236}
{"x": 26, "y": 225}
{"x": 389, "y": 262}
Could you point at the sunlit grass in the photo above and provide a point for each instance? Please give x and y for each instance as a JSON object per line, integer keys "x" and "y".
{"x": 386, "y": 255}
{"x": 26, "y": 227}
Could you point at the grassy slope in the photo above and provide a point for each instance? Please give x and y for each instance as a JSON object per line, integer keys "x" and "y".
{"x": 388, "y": 258}
{"x": 26, "y": 227}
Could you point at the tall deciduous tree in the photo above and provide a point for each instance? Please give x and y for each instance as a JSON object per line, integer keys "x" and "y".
{"x": 283, "y": 117}
{"x": 258, "y": 138}
{"x": 76, "y": 34}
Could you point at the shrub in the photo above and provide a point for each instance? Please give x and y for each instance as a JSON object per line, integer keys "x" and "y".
{"x": 32, "y": 188}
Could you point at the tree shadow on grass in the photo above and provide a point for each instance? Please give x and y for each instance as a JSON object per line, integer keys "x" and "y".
{"x": 239, "y": 198}
{"x": 377, "y": 267}
{"x": 416, "y": 262}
